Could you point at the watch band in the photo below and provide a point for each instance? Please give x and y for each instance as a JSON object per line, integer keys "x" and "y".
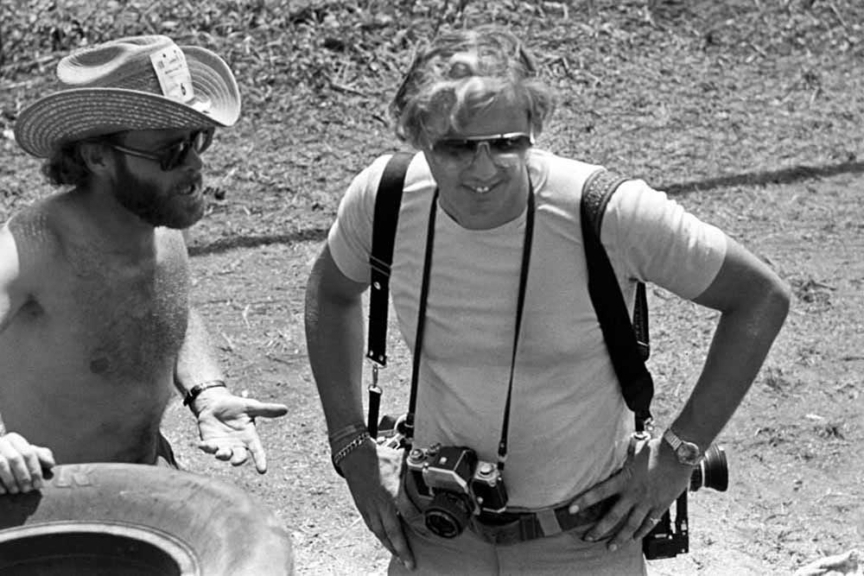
{"x": 196, "y": 390}
{"x": 672, "y": 439}
{"x": 688, "y": 453}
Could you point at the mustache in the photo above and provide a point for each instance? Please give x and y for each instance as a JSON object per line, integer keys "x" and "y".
{"x": 195, "y": 179}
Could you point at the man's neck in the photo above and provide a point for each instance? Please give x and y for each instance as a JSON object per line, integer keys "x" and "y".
{"x": 120, "y": 229}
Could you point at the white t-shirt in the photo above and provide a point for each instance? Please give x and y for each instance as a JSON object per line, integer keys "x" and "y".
{"x": 569, "y": 425}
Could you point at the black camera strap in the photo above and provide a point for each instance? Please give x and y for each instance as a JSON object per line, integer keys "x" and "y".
{"x": 421, "y": 318}
{"x": 520, "y": 308}
{"x": 627, "y": 342}
{"x": 387, "y": 203}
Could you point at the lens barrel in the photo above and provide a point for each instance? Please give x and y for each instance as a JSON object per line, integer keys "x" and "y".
{"x": 447, "y": 514}
{"x": 712, "y": 472}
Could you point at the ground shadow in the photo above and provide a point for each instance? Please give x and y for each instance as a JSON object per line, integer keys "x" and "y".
{"x": 783, "y": 176}
{"x": 762, "y": 178}
{"x": 227, "y": 244}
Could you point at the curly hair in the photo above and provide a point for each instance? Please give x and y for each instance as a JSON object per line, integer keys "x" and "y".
{"x": 462, "y": 73}
{"x": 65, "y": 166}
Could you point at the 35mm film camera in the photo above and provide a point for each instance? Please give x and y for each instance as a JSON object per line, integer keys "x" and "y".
{"x": 671, "y": 537}
{"x": 455, "y": 484}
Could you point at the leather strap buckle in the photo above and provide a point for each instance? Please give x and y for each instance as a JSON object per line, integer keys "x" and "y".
{"x": 511, "y": 528}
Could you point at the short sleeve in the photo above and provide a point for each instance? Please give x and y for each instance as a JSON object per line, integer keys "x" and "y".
{"x": 350, "y": 236}
{"x": 651, "y": 238}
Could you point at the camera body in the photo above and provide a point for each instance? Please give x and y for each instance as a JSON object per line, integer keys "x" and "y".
{"x": 669, "y": 537}
{"x": 456, "y": 484}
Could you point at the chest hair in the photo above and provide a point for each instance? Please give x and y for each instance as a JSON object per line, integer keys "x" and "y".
{"x": 131, "y": 316}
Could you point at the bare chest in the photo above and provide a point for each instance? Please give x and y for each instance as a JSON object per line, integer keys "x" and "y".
{"x": 128, "y": 320}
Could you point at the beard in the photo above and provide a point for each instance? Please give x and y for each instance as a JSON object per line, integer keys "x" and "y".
{"x": 178, "y": 208}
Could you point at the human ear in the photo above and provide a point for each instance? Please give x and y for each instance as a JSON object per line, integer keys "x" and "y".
{"x": 96, "y": 155}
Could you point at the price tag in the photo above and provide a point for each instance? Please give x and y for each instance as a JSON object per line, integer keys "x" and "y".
{"x": 173, "y": 74}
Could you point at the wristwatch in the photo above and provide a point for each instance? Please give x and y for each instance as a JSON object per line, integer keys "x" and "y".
{"x": 687, "y": 453}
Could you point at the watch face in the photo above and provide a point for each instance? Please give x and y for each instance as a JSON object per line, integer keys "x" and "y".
{"x": 689, "y": 453}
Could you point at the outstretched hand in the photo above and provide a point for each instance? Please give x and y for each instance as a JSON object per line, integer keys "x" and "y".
{"x": 22, "y": 464}
{"x": 226, "y": 424}
{"x": 650, "y": 481}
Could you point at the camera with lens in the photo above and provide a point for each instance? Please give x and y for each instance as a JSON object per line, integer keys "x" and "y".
{"x": 671, "y": 537}
{"x": 455, "y": 484}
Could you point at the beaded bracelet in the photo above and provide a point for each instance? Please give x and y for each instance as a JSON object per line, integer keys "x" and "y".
{"x": 348, "y": 449}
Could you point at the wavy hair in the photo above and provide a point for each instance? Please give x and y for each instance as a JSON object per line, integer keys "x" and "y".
{"x": 462, "y": 73}
{"x": 65, "y": 166}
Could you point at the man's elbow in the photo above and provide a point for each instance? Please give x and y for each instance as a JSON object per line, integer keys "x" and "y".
{"x": 776, "y": 300}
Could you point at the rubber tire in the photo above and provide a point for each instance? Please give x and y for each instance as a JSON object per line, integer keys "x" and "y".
{"x": 211, "y": 527}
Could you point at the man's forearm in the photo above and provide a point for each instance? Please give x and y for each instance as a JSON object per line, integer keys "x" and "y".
{"x": 739, "y": 347}
{"x": 334, "y": 338}
{"x": 196, "y": 360}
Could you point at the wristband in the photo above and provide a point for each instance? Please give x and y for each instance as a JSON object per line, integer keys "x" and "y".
{"x": 348, "y": 449}
{"x": 196, "y": 390}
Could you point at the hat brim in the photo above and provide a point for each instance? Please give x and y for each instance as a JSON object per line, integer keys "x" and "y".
{"x": 78, "y": 113}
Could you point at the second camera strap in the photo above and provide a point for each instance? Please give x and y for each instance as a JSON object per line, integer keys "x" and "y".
{"x": 421, "y": 319}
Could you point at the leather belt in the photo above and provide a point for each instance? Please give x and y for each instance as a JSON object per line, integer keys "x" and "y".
{"x": 510, "y": 528}
{"x": 514, "y": 527}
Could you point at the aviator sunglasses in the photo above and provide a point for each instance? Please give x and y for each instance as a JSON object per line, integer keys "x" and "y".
{"x": 175, "y": 154}
{"x": 502, "y": 148}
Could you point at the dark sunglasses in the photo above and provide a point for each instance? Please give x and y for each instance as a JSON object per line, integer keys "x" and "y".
{"x": 465, "y": 149}
{"x": 173, "y": 155}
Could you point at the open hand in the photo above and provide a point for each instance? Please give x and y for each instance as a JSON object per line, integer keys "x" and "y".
{"x": 226, "y": 424}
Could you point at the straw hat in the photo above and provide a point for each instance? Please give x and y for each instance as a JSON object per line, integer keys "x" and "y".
{"x": 136, "y": 83}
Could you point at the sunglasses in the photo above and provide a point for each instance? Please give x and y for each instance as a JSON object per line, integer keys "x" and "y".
{"x": 502, "y": 148}
{"x": 173, "y": 155}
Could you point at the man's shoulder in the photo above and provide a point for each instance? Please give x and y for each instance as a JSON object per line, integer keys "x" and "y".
{"x": 30, "y": 244}
{"x": 38, "y": 228}
{"x": 416, "y": 171}
{"x": 563, "y": 164}
{"x": 559, "y": 174}
{"x": 362, "y": 195}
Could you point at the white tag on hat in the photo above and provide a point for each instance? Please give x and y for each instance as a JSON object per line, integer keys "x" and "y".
{"x": 173, "y": 74}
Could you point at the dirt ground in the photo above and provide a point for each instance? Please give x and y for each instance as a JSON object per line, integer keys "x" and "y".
{"x": 748, "y": 112}
{"x": 793, "y": 447}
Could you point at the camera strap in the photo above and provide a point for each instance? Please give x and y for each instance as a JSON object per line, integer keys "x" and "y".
{"x": 626, "y": 341}
{"x": 387, "y": 203}
{"x": 421, "y": 318}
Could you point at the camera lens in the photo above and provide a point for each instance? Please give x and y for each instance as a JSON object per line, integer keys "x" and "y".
{"x": 447, "y": 514}
{"x": 712, "y": 472}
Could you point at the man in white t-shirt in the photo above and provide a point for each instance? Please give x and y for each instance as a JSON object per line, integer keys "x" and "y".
{"x": 474, "y": 194}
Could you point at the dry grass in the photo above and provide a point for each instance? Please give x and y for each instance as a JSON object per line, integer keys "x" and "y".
{"x": 687, "y": 92}
{"x": 749, "y": 110}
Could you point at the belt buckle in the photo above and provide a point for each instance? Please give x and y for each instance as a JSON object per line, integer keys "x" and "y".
{"x": 501, "y": 529}
{"x": 511, "y": 528}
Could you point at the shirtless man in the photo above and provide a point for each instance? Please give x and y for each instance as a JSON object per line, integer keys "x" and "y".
{"x": 95, "y": 323}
